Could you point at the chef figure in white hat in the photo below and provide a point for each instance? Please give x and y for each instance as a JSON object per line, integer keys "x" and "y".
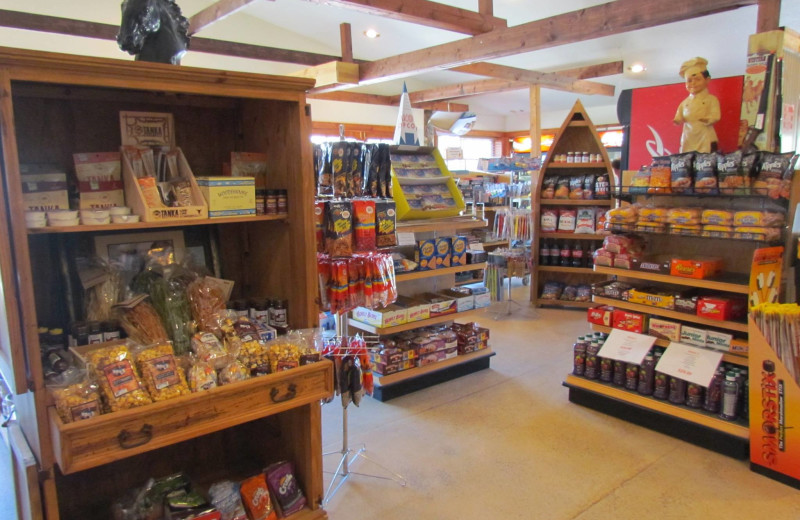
{"x": 699, "y": 111}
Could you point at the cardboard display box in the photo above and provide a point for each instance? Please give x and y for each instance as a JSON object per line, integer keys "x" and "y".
{"x": 229, "y": 196}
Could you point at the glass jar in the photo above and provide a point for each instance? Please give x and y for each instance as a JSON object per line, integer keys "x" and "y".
{"x": 271, "y": 203}
{"x": 283, "y": 202}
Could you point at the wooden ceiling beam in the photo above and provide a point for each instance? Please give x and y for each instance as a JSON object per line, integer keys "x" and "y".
{"x": 474, "y": 88}
{"x": 392, "y": 101}
{"x": 594, "y": 71}
{"x": 769, "y": 15}
{"x": 346, "y": 38}
{"x": 424, "y": 12}
{"x": 585, "y": 24}
{"x": 552, "y": 80}
{"x": 216, "y": 12}
{"x": 332, "y": 73}
{"x": 102, "y": 31}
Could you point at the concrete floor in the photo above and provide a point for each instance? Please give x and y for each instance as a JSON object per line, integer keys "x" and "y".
{"x": 506, "y": 443}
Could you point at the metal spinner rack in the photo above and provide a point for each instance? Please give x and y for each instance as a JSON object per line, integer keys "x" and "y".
{"x": 348, "y": 456}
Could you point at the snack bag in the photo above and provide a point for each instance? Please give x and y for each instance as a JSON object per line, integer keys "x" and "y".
{"x": 206, "y": 299}
{"x": 339, "y": 231}
{"x": 256, "y": 500}
{"x": 562, "y": 188}
{"x": 119, "y": 380}
{"x": 202, "y": 376}
{"x": 771, "y": 172}
{"x": 225, "y": 497}
{"x": 549, "y": 187}
{"x": 162, "y": 377}
{"x": 705, "y": 173}
{"x": 364, "y": 222}
{"x": 142, "y": 323}
{"x": 285, "y": 488}
{"x": 232, "y": 372}
{"x": 76, "y": 396}
{"x": 681, "y": 172}
{"x": 576, "y": 188}
{"x": 660, "y": 175}
{"x": 284, "y": 354}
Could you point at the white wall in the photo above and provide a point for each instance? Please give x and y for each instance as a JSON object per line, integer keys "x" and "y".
{"x": 604, "y": 115}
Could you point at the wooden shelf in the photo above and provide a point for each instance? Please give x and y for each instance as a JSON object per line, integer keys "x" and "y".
{"x": 680, "y": 316}
{"x": 494, "y": 243}
{"x": 576, "y": 165}
{"x": 154, "y": 225}
{"x": 578, "y": 123}
{"x": 559, "y": 269}
{"x": 564, "y": 303}
{"x": 442, "y": 224}
{"x": 664, "y": 407}
{"x": 729, "y": 283}
{"x": 404, "y": 277}
{"x": 575, "y": 202}
{"x": 573, "y": 236}
{"x": 383, "y": 331}
{"x": 431, "y": 367}
{"x": 470, "y": 282}
{"x": 728, "y": 357}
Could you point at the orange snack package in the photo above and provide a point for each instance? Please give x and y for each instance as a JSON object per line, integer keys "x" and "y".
{"x": 256, "y": 499}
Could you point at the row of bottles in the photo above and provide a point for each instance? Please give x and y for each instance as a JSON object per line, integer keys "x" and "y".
{"x": 577, "y": 253}
{"x": 726, "y": 395}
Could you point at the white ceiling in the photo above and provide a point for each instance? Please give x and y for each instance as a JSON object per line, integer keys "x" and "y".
{"x": 312, "y": 27}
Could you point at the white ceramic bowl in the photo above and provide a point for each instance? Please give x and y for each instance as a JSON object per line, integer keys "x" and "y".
{"x": 124, "y": 219}
{"x": 95, "y": 213}
{"x": 62, "y": 215}
{"x": 119, "y": 210}
{"x": 95, "y": 221}
{"x": 35, "y": 217}
{"x": 64, "y": 223}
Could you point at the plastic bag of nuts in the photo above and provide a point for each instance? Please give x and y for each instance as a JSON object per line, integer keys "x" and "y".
{"x": 118, "y": 378}
{"x": 161, "y": 375}
{"x": 76, "y": 396}
{"x": 284, "y": 354}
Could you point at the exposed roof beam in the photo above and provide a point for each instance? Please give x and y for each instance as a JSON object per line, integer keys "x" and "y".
{"x": 486, "y": 7}
{"x": 53, "y": 24}
{"x": 392, "y": 101}
{"x": 553, "y": 80}
{"x": 346, "y": 37}
{"x": 595, "y": 71}
{"x": 769, "y": 15}
{"x": 585, "y": 24}
{"x": 215, "y": 12}
{"x": 424, "y": 12}
{"x": 474, "y": 88}
{"x": 333, "y": 73}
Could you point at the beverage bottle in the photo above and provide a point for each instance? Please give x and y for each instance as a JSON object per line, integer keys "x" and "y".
{"x": 730, "y": 397}
{"x": 579, "y": 356}
{"x": 713, "y": 398}
{"x": 619, "y": 373}
{"x": 566, "y": 254}
{"x": 695, "y": 395}
{"x": 555, "y": 253}
{"x": 592, "y": 361}
{"x": 606, "y": 369}
{"x": 631, "y": 376}
{"x": 677, "y": 390}
{"x": 577, "y": 255}
{"x": 660, "y": 379}
{"x": 544, "y": 253}
{"x": 647, "y": 375}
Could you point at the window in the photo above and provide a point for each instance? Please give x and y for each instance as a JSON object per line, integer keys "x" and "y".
{"x": 473, "y": 148}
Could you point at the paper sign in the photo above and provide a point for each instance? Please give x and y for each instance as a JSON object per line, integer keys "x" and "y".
{"x": 693, "y": 364}
{"x": 476, "y": 246}
{"x": 629, "y": 347}
{"x": 454, "y": 153}
{"x": 406, "y": 239}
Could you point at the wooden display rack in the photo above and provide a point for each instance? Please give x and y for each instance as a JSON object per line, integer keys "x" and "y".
{"x": 72, "y": 104}
{"x": 577, "y": 133}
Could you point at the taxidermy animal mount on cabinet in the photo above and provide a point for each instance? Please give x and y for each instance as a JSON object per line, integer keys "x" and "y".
{"x": 153, "y": 30}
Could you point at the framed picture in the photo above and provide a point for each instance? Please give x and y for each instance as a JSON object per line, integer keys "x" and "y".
{"x": 131, "y": 252}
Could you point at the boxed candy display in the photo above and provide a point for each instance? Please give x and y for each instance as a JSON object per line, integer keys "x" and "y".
{"x": 602, "y": 315}
{"x": 440, "y": 305}
{"x": 699, "y": 268}
{"x": 718, "y": 340}
{"x": 664, "y": 329}
{"x": 44, "y": 187}
{"x": 389, "y": 316}
{"x": 630, "y": 321}
{"x": 463, "y": 297}
{"x": 417, "y": 310}
{"x": 721, "y": 308}
{"x": 693, "y": 336}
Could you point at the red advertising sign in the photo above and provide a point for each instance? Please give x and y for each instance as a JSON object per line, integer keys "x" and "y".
{"x": 652, "y": 131}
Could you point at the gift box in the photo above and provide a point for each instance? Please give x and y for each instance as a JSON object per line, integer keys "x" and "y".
{"x": 630, "y": 321}
{"x": 229, "y": 196}
{"x": 698, "y": 268}
{"x": 44, "y": 187}
{"x": 602, "y": 315}
{"x": 721, "y": 308}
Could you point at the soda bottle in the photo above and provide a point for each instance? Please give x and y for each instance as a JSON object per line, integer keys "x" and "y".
{"x": 579, "y": 356}
{"x": 631, "y": 376}
{"x": 730, "y": 397}
{"x": 566, "y": 255}
{"x": 592, "y": 361}
{"x": 577, "y": 255}
{"x": 544, "y": 253}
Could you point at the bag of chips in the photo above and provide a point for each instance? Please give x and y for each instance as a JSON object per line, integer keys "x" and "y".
{"x": 681, "y": 172}
{"x": 119, "y": 380}
{"x": 705, "y": 173}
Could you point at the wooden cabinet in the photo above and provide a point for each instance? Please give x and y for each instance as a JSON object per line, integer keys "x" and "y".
{"x": 578, "y": 136}
{"x": 52, "y": 106}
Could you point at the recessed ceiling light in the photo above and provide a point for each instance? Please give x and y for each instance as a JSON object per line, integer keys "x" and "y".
{"x": 371, "y": 33}
{"x": 637, "y": 68}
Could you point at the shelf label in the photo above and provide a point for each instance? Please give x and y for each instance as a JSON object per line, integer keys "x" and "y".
{"x": 406, "y": 239}
{"x": 693, "y": 364}
{"x": 629, "y": 347}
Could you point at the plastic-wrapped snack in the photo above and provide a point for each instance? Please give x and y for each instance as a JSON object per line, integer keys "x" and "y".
{"x": 209, "y": 349}
{"x": 576, "y": 187}
{"x": 660, "y": 175}
{"x": 284, "y": 354}
{"x": 225, "y": 497}
{"x": 552, "y": 291}
{"x": 284, "y": 486}
{"x": 682, "y": 172}
{"x": 705, "y": 173}
{"x": 143, "y": 324}
{"x": 339, "y": 232}
{"x": 640, "y": 180}
{"x": 549, "y": 186}
{"x": 584, "y": 293}
{"x": 733, "y": 180}
{"x": 202, "y": 376}
{"x": 771, "y": 172}
{"x": 232, "y": 372}
{"x": 253, "y": 353}
{"x": 76, "y": 396}
{"x": 169, "y": 299}
{"x": 562, "y": 188}
{"x": 256, "y": 499}
{"x": 160, "y": 372}
{"x": 588, "y": 186}
{"x": 118, "y": 378}
{"x": 569, "y": 293}
{"x": 206, "y": 299}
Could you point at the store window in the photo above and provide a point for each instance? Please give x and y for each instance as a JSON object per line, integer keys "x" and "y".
{"x": 473, "y": 148}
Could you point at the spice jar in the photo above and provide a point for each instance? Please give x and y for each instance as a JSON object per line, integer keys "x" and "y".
{"x": 278, "y": 315}
{"x": 80, "y": 334}
{"x": 95, "y": 333}
{"x": 261, "y": 201}
{"x": 260, "y": 310}
{"x": 283, "y": 202}
{"x": 271, "y": 202}
{"x": 110, "y": 330}
{"x": 570, "y": 157}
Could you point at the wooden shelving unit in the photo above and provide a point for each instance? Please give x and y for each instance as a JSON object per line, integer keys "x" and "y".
{"x": 728, "y": 357}
{"x": 729, "y": 283}
{"x": 577, "y": 134}
{"x": 417, "y": 275}
{"x": 79, "y": 469}
{"x": 680, "y": 316}
{"x": 155, "y": 225}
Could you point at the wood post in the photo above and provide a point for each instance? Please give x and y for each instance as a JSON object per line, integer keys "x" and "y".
{"x": 347, "y": 42}
{"x": 769, "y": 14}
{"x": 536, "y": 120}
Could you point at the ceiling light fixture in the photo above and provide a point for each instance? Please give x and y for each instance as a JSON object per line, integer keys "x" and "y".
{"x": 371, "y": 33}
{"x": 637, "y": 68}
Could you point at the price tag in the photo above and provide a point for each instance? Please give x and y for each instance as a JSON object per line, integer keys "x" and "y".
{"x": 629, "y": 347}
{"x": 406, "y": 239}
{"x": 693, "y": 364}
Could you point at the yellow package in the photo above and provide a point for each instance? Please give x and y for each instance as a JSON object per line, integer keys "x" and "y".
{"x": 161, "y": 375}
{"x": 77, "y": 401}
{"x": 118, "y": 378}
{"x": 686, "y": 229}
{"x": 651, "y": 227}
{"x": 767, "y": 234}
{"x": 717, "y": 231}
{"x": 684, "y": 216}
{"x": 758, "y": 219}
{"x": 717, "y": 217}
{"x": 624, "y": 215}
{"x": 652, "y": 214}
